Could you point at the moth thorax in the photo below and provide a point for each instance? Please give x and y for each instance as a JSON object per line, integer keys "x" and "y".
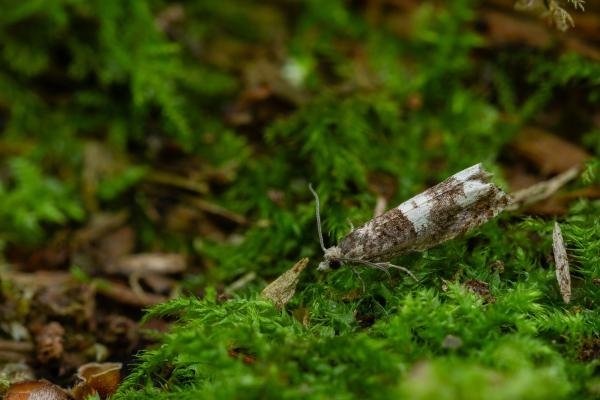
{"x": 332, "y": 254}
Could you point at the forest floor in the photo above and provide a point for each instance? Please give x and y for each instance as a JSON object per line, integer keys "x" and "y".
{"x": 155, "y": 159}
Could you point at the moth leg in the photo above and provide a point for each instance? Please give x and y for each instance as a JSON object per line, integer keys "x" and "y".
{"x": 357, "y": 272}
{"x": 386, "y": 270}
{"x": 378, "y": 266}
{"x": 403, "y": 269}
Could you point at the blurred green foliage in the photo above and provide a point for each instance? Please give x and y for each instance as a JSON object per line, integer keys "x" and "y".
{"x": 362, "y": 103}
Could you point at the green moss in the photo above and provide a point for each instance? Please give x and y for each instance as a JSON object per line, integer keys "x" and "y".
{"x": 522, "y": 345}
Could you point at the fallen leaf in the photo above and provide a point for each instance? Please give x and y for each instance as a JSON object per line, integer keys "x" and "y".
{"x": 480, "y": 288}
{"x": 541, "y": 190}
{"x": 18, "y": 347}
{"x": 501, "y": 29}
{"x": 590, "y": 350}
{"x": 35, "y": 390}
{"x": 158, "y": 263}
{"x": 114, "y": 245}
{"x": 125, "y": 295}
{"x": 97, "y": 378}
{"x": 282, "y": 289}
{"x": 548, "y": 152}
{"x": 562, "y": 263}
{"x": 243, "y": 354}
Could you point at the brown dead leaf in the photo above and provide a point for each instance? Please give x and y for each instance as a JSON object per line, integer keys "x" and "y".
{"x": 37, "y": 280}
{"x": 282, "y": 289}
{"x": 115, "y": 244}
{"x": 97, "y": 378}
{"x": 544, "y": 197}
{"x": 191, "y": 183}
{"x": 125, "y": 295}
{"x": 583, "y": 48}
{"x": 562, "y": 263}
{"x": 548, "y": 152}
{"x": 590, "y": 350}
{"x": 501, "y": 29}
{"x": 143, "y": 263}
{"x": 242, "y": 354}
{"x": 541, "y": 190}
{"x": 502, "y": 25}
{"x": 35, "y": 390}
{"x": 480, "y": 288}
{"x": 99, "y": 225}
{"x": 160, "y": 284}
{"x": 215, "y": 209}
{"x": 13, "y": 352}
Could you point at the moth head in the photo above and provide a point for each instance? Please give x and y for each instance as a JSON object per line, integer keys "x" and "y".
{"x": 331, "y": 259}
{"x": 331, "y": 256}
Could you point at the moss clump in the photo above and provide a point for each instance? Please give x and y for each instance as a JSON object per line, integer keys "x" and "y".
{"x": 390, "y": 340}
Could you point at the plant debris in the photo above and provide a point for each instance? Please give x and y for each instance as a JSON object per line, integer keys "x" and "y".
{"x": 282, "y": 289}
{"x": 480, "y": 288}
{"x": 541, "y": 190}
{"x": 99, "y": 379}
{"x": 561, "y": 262}
{"x": 41, "y": 389}
{"x": 550, "y": 153}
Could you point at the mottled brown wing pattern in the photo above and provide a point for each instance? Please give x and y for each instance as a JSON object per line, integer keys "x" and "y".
{"x": 451, "y": 208}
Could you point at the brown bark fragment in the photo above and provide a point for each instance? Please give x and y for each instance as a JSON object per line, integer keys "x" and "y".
{"x": 562, "y": 263}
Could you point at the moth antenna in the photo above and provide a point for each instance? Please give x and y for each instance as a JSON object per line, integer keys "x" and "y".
{"x": 318, "y": 214}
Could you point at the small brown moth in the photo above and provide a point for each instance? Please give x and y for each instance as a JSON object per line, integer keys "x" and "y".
{"x": 451, "y": 208}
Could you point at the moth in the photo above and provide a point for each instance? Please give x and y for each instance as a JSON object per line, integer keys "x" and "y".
{"x": 451, "y": 208}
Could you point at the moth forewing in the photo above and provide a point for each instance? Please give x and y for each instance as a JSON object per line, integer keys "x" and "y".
{"x": 460, "y": 203}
